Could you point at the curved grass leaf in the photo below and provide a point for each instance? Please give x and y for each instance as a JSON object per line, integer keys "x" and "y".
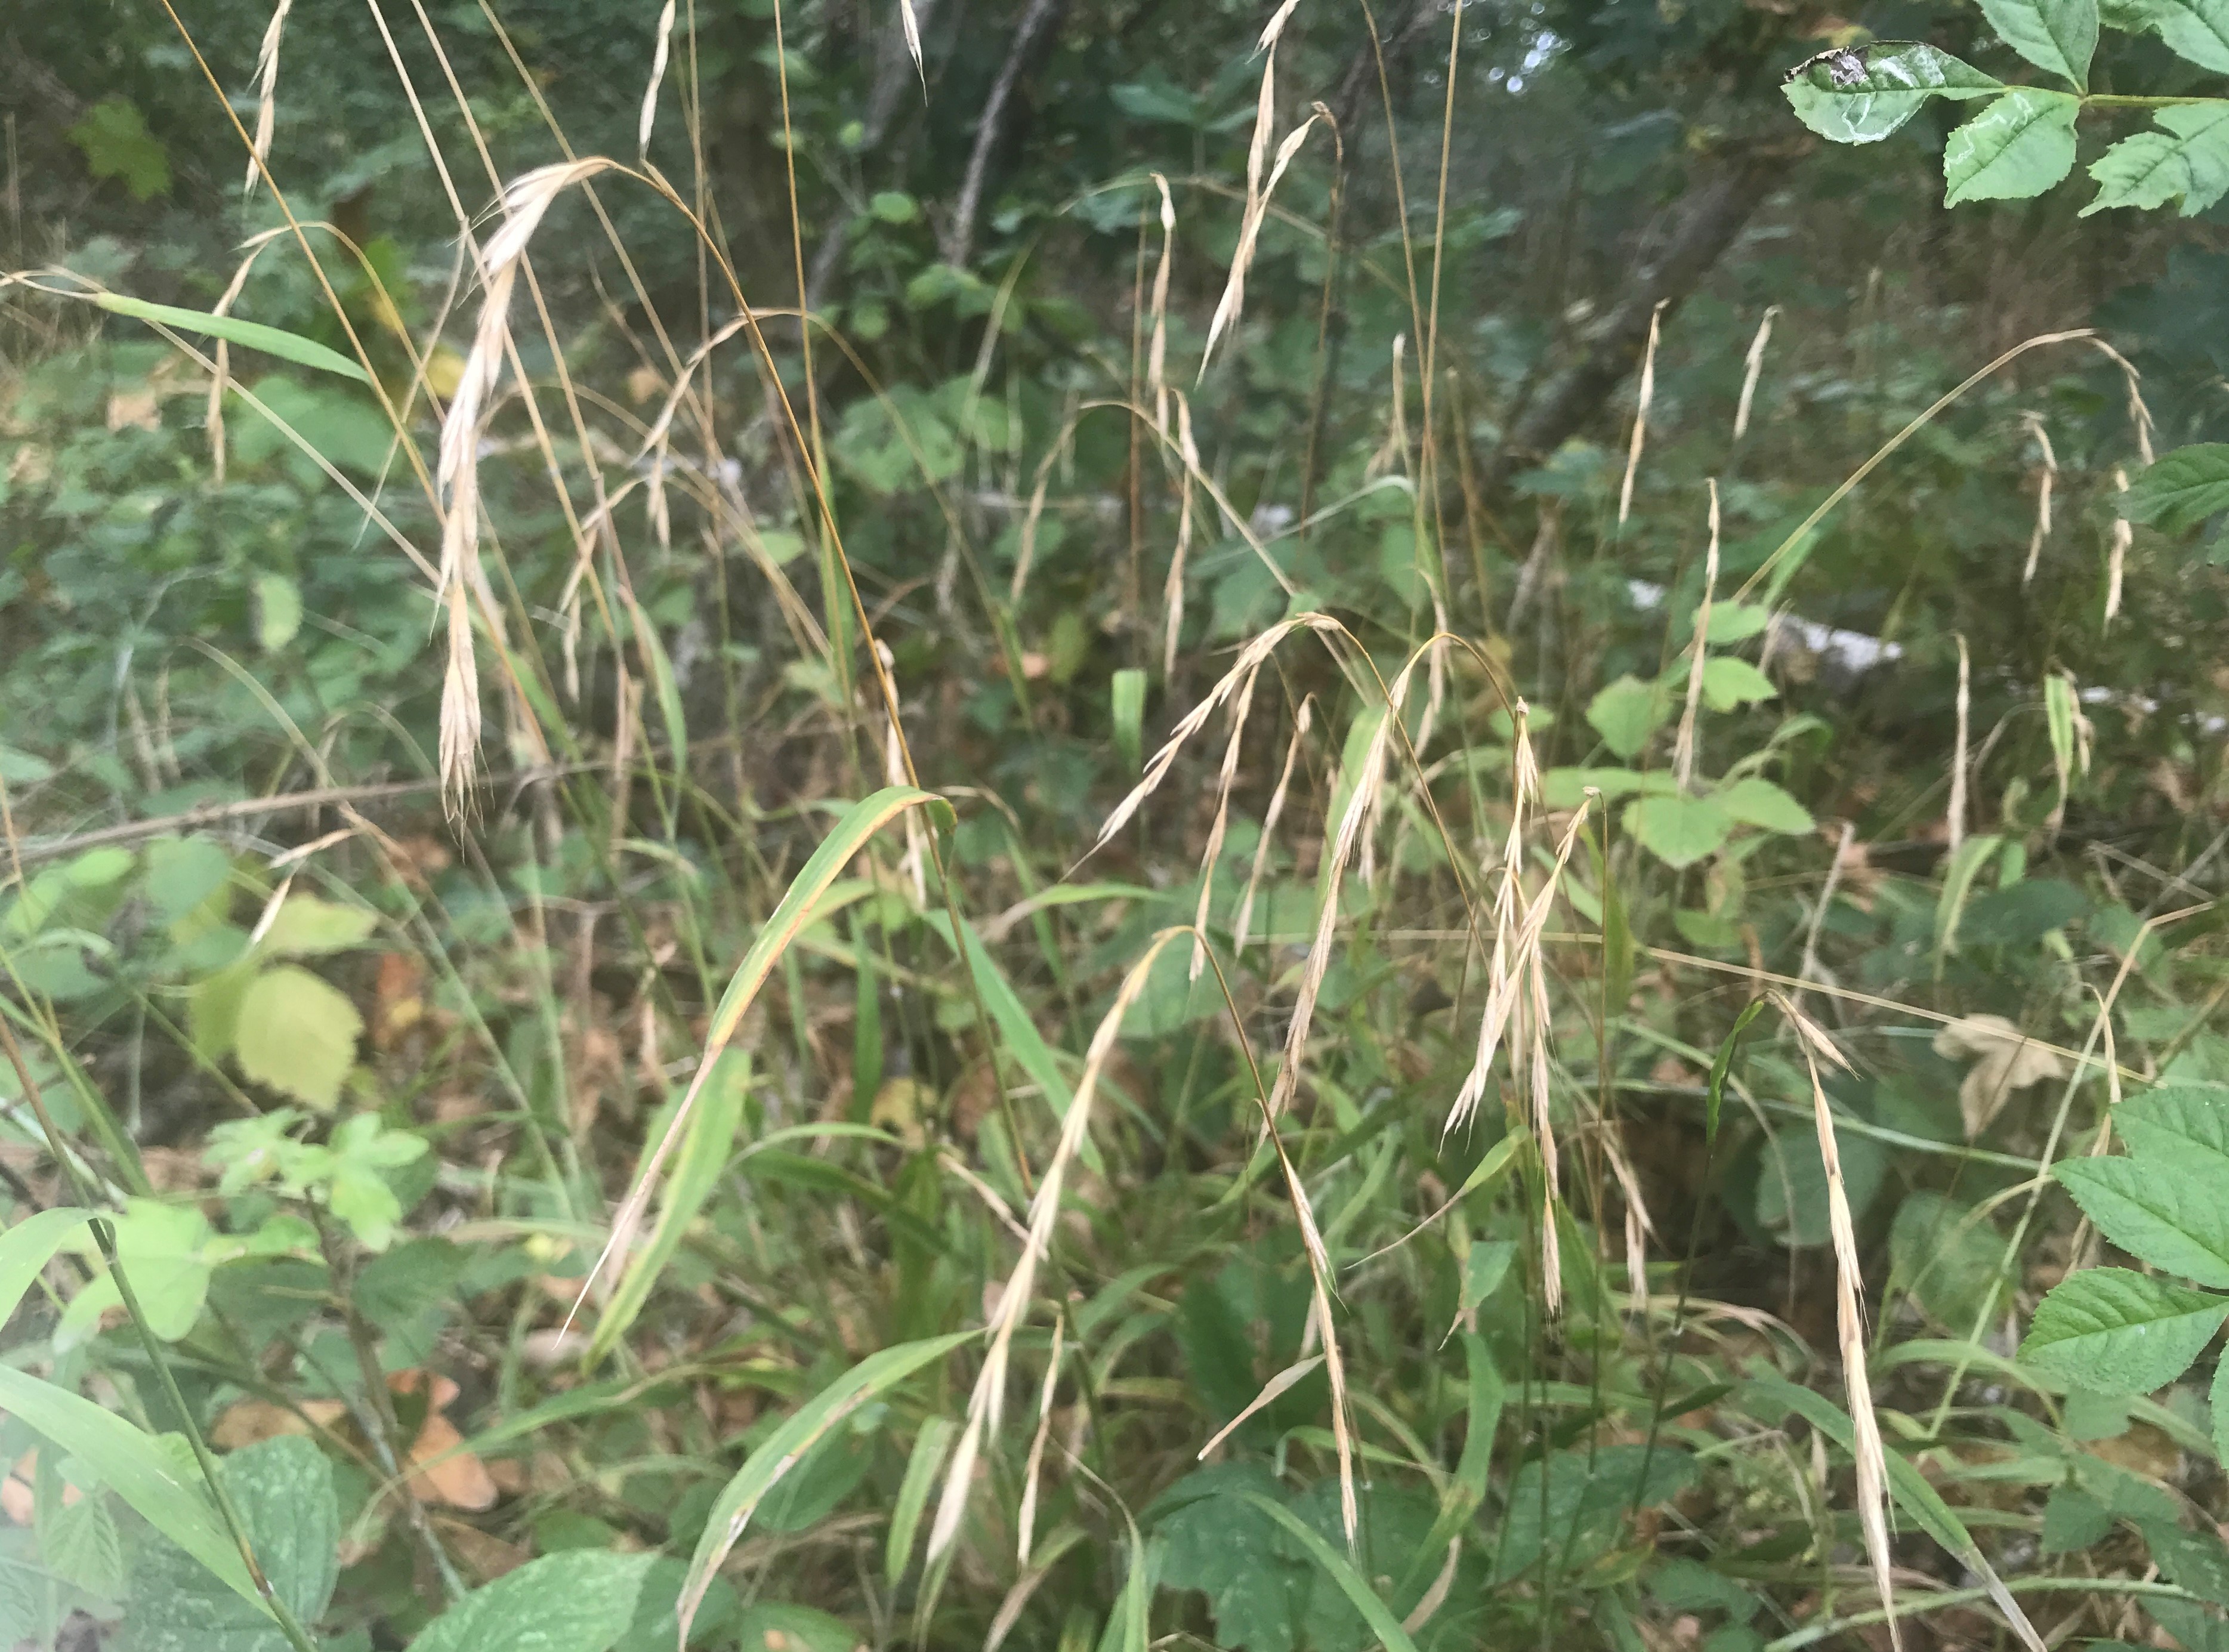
{"x": 2188, "y": 158}
{"x": 2018, "y": 146}
{"x": 2120, "y": 1333}
{"x": 28, "y": 1246}
{"x": 2181, "y": 489}
{"x": 249, "y": 335}
{"x": 1340, "y": 1571}
{"x": 2057, "y": 37}
{"x": 786, "y": 1447}
{"x": 2158, "y": 1211}
{"x": 133, "y": 1465}
{"x": 1862, "y": 93}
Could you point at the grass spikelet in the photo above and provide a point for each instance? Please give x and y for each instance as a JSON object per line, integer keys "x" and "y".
{"x": 1239, "y": 708}
{"x": 1157, "y": 352}
{"x": 1258, "y": 193}
{"x": 267, "y": 97}
{"x": 1277, "y": 1386}
{"x": 1683, "y": 747}
{"x": 987, "y": 1400}
{"x": 1638, "y": 1224}
{"x": 1508, "y": 895}
{"x": 1955, "y": 826}
{"x": 1027, "y": 1519}
{"x": 1369, "y": 780}
{"x": 2117, "y": 559}
{"x": 526, "y": 201}
{"x": 1244, "y": 927}
{"x": 658, "y": 58}
{"x": 1275, "y": 26}
{"x": 1849, "y": 1315}
{"x": 1752, "y": 365}
{"x": 1172, "y": 591}
{"x": 912, "y": 27}
{"x": 2046, "y": 480}
{"x": 1648, "y": 394}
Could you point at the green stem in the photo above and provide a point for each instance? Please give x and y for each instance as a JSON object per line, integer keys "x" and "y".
{"x": 1912, "y": 1605}
{"x": 2130, "y": 100}
{"x": 104, "y": 1235}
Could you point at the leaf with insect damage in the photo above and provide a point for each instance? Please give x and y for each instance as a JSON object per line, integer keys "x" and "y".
{"x": 2018, "y": 146}
{"x": 1859, "y": 94}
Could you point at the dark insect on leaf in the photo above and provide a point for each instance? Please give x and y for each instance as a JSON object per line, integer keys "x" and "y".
{"x": 1845, "y": 66}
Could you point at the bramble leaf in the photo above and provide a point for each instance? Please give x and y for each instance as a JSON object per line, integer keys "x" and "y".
{"x": 1862, "y": 93}
{"x": 2018, "y": 146}
{"x": 2120, "y": 1333}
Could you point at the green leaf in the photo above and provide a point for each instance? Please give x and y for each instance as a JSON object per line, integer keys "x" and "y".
{"x": 298, "y": 1034}
{"x": 182, "y": 873}
{"x": 2160, "y": 1211}
{"x": 929, "y": 1447}
{"x": 134, "y": 1465}
{"x": 1729, "y": 682}
{"x": 284, "y": 1491}
{"x": 1714, "y": 1094}
{"x": 251, "y": 335}
{"x": 578, "y": 1601}
{"x": 1791, "y": 1184}
{"x": 2195, "y": 30}
{"x": 794, "y": 1629}
{"x": 1125, "y": 701}
{"x": 1588, "y": 1493}
{"x": 2181, "y": 488}
{"x": 2189, "y": 1123}
{"x": 2120, "y": 1333}
{"x": 1484, "y": 1268}
{"x": 1862, "y": 93}
{"x": 1757, "y": 801}
{"x": 1626, "y": 712}
{"x": 278, "y": 611}
{"x": 164, "y": 1249}
{"x": 28, "y": 1247}
{"x": 78, "y": 1542}
{"x": 1677, "y": 829}
{"x": 2217, "y": 1397}
{"x": 1946, "y": 1258}
{"x": 2018, "y": 146}
{"x": 306, "y": 927}
{"x": 1219, "y": 1542}
{"x": 2073, "y": 1520}
{"x": 114, "y": 136}
{"x": 1336, "y": 1566}
{"x": 703, "y": 1157}
{"x": 2057, "y": 37}
{"x": 2188, "y": 158}
{"x": 780, "y": 1451}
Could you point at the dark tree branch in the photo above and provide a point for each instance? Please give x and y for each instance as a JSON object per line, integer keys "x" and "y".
{"x": 1702, "y": 227}
{"x": 1038, "y": 21}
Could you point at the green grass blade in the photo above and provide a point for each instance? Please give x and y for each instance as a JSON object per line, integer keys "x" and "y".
{"x": 1365, "y": 1599}
{"x": 249, "y": 335}
{"x": 27, "y": 1247}
{"x": 1721, "y": 1064}
{"x": 786, "y": 1446}
{"x": 134, "y": 1466}
{"x": 929, "y": 1448}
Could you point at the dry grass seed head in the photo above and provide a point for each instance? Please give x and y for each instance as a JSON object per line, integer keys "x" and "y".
{"x": 659, "y": 55}
{"x": 1239, "y": 708}
{"x": 1027, "y": 1519}
{"x": 1955, "y": 825}
{"x": 1157, "y": 352}
{"x": 1172, "y": 603}
{"x": 1752, "y": 365}
{"x": 266, "y": 96}
{"x": 2116, "y": 560}
{"x": 1244, "y": 927}
{"x": 1683, "y": 747}
{"x": 2046, "y": 479}
{"x": 1648, "y": 394}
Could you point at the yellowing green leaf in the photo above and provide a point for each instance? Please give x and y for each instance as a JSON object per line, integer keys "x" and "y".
{"x": 2018, "y": 146}
{"x": 164, "y": 1249}
{"x": 1626, "y": 712}
{"x": 307, "y": 927}
{"x": 1729, "y": 682}
{"x": 1756, "y": 801}
{"x": 296, "y": 1034}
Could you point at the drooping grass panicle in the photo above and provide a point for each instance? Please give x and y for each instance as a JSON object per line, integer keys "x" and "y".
{"x": 1173, "y": 592}
{"x": 1026, "y": 1519}
{"x": 1644, "y": 398}
{"x": 1955, "y": 824}
{"x": 267, "y": 98}
{"x": 2116, "y": 558}
{"x": 1508, "y": 896}
{"x": 1683, "y": 747}
{"x": 1157, "y": 351}
{"x": 1752, "y": 366}
{"x": 1639, "y": 1225}
{"x": 1239, "y": 707}
{"x": 1259, "y": 192}
{"x": 1871, "y": 1457}
{"x": 986, "y": 1402}
{"x": 659, "y": 55}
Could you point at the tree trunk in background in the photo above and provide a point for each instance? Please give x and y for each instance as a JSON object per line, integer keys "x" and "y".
{"x": 957, "y": 245}
{"x": 1704, "y": 223}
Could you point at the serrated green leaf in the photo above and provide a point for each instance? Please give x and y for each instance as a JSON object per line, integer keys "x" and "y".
{"x": 297, "y": 1033}
{"x": 2188, "y": 158}
{"x": 1626, "y": 712}
{"x": 1677, "y": 829}
{"x": 2194, "y": 29}
{"x": 2159, "y": 1211}
{"x": 1340, "y": 1571}
{"x": 2181, "y": 488}
{"x": 164, "y": 1249}
{"x": 78, "y": 1542}
{"x": 1582, "y": 1515}
{"x": 284, "y": 1490}
{"x": 1729, "y": 681}
{"x": 1757, "y": 801}
{"x": 1948, "y": 1259}
{"x": 2120, "y": 1333}
{"x": 2073, "y": 1520}
{"x": 2189, "y": 1122}
{"x": 1221, "y": 1544}
{"x": 2018, "y": 146}
{"x": 1862, "y": 95}
{"x": 2057, "y": 37}
{"x": 580, "y": 1601}
{"x": 28, "y": 1247}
